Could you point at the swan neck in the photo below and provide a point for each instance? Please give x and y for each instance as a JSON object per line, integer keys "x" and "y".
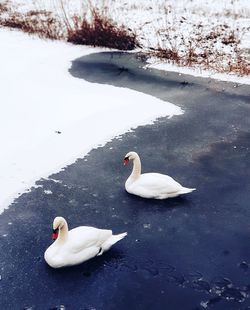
{"x": 63, "y": 233}
{"x": 136, "y": 172}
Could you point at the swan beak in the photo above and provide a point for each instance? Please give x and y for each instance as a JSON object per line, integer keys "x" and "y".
{"x": 55, "y": 234}
{"x": 125, "y": 161}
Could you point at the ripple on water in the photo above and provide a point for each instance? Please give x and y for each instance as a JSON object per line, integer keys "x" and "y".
{"x": 201, "y": 285}
{"x": 244, "y": 266}
{"x": 60, "y": 307}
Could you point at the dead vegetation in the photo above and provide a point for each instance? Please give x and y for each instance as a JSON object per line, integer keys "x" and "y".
{"x": 100, "y": 30}
{"x": 40, "y": 22}
{"x": 217, "y": 49}
{"x": 4, "y": 7}
{"x": 97, "y": 29}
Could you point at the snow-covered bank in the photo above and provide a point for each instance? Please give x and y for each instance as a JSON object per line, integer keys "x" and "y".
{"x": 199, "y": 72}
{"x": 48, "y": 118}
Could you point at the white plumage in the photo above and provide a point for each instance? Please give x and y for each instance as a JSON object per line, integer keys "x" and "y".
{"x": 151, "y": 185}
{"x": 78, "y": 245}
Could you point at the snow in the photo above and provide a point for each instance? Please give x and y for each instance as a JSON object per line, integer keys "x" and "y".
{"x": 49, "y": 118}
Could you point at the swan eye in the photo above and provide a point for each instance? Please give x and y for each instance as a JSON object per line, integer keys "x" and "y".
{"x": 55, "y": 233}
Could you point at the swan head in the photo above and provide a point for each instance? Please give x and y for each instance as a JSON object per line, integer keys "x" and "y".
{"x": 130, "y": 156}
{"x": 57, "y": 224}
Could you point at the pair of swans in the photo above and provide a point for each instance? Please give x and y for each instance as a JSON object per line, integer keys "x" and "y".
{"x": 83, "y": 243}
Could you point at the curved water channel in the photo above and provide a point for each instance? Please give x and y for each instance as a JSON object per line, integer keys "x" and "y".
{"x": 191, "y": 252}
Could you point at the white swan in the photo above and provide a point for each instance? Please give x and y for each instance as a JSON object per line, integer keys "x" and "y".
{"x": 151, "y": 185}
{"x": 77, "y": 245}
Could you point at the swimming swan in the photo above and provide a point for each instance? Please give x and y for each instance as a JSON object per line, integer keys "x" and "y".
{"x": 151, "y": 185}
{"x": 77, "y": 245}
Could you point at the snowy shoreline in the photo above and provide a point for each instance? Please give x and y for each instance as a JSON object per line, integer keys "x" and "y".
{"x": 200, "y": 73}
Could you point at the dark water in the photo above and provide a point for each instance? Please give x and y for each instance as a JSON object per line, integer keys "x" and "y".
{"x": 191, "y": 252}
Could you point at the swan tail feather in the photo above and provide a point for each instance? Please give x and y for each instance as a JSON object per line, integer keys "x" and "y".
{"x": 186, "y": 190}
{"x": 115, "y": 238}
{"x": 111, "y": 241}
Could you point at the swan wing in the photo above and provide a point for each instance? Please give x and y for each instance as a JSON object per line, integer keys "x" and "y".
{"x": 154, "y": 185}
{"x": 84, "y": 237}
{"x": 81, "y": 256}
{"x": 158, "y": 182}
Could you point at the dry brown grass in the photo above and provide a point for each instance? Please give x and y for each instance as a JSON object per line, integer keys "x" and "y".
{"x": 42, "y": 23}
{"x": 97, "y": 30}
{"x": 100, "y": 30}
{"x": 4, "y": 7}
{"x": 217, "y": 50}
